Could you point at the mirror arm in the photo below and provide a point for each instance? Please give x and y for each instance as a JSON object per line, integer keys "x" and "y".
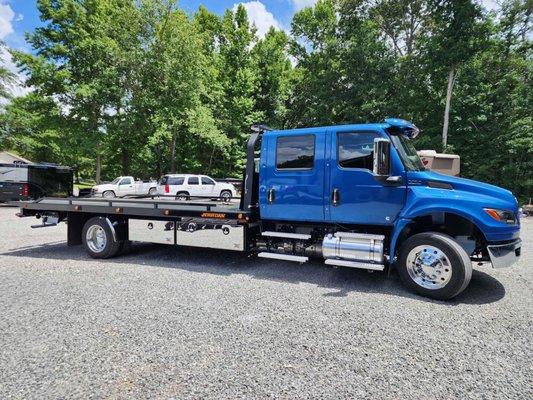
{"x": 394, "y": 179}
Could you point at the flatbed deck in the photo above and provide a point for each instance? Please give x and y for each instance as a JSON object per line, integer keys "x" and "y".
{"x": 163, "y": 208}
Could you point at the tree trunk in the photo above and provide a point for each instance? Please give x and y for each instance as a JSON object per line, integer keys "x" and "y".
{"x": 98, "y": 164}
{"x": 451, "y": 77}
{"x": 125, "y": 161}
{"x": 173, "y": 152}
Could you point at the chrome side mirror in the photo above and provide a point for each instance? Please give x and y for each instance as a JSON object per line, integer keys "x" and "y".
{"x": 382, "y": 157}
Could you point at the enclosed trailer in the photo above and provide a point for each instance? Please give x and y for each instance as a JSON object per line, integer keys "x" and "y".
{"x": 32, "y": 181}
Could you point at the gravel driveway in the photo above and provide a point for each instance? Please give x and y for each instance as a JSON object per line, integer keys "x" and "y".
{"x": 181, "y": 323}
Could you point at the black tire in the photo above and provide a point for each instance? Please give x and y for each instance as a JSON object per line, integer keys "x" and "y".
{"x": 183, "y": 196}
{"x": 110, "y": 249}
{"x": 460, "y": 263}
{"x": 225, "y": 195}
{"x": 109, "y": 194}
{"x": 152, "y": 192}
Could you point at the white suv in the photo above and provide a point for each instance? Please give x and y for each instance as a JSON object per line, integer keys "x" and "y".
{"x": 182, "y": 187}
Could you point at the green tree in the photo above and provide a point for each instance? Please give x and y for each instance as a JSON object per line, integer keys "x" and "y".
{"x": 274, "y": 72}
{"x": 456, "y": 33}
{"x": 239, "y": 81}
{"x": 76, "y": 62}
{"x": 175, "y": 75}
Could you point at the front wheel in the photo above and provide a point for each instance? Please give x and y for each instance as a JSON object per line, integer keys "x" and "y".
{"x": 108, "y": 194}
{"x": 434, "y": 265}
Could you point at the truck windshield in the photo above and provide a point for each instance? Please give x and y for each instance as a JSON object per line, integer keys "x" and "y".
{"x": 115, "y": 181}
{"x": 407, "y": 153}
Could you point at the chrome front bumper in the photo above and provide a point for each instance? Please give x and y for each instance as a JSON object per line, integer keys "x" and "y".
{"x": 505, "y": 255}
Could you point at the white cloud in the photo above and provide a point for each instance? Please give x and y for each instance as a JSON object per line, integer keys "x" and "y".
{"x": 490, "y": 5}
{"x": 6, "y": 20}
{"x": 299, "y": 4}
{"x": 260, "y": 16}
{"x": 16, "y": 88}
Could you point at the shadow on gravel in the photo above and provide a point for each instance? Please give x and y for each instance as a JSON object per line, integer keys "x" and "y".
{"x": 483, "y": 288}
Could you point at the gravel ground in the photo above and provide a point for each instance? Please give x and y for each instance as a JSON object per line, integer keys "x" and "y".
{"x": 183, "y": 323}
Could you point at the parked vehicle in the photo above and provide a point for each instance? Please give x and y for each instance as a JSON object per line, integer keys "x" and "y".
{"x": 124, "y": 186}
{"x": 357, "y": 196}
{"x": 183, "y": 187}
{"x": 19, "y": 181}
{"x": 449, "y": 164}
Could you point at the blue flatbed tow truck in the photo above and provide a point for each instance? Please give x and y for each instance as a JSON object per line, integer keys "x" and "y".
{"x": 356, "y": 195}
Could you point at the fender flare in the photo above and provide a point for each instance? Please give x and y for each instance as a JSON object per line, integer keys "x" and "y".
{"x": 403, "y": 221}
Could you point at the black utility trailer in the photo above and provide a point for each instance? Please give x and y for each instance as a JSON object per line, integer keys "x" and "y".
{"x": 32, "y": 181}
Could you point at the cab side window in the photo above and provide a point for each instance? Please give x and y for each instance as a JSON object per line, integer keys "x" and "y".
{"x": 295, "y": 152}
{"x": 125, "y": 181}
{"x": 193, "y": 180}
{"x": 356, "y": 149}
{"x": 207, "y": 181}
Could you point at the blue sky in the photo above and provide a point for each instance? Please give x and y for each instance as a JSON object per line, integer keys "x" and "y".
{"x": 20, "y": 16}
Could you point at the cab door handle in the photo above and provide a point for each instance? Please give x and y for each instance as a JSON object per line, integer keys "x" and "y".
{"x": 271, "y": 196}
{"x": 335, "y": 197}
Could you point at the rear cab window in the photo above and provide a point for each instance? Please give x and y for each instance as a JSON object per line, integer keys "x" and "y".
{"x": 295, "y": 152}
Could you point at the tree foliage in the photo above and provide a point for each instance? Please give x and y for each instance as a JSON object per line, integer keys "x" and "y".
{"x": 141, "y": 87}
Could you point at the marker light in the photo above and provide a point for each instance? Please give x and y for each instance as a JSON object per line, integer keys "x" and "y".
{"x": 501, "y": 215}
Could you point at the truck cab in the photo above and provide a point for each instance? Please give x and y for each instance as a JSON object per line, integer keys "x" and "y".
{"x": 364, "y": 187}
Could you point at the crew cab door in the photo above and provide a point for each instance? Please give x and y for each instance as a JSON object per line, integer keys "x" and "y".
{"x": 208, "y": 186}
{"x": 126, "y": 187}
{"x": 356, "y": 196}
{"x": 291, "y": 183}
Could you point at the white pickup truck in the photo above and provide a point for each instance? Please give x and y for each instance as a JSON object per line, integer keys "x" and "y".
{"x": 124, "y": 186}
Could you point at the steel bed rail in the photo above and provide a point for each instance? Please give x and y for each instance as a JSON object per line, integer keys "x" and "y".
{"x": 134, "y": 207}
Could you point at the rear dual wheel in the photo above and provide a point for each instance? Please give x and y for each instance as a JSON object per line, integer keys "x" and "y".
{"x": 434, "y": 265}
{"x": 99, "y": 241}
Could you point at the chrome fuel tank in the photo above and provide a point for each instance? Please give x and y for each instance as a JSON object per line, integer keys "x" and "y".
{"x": 354, "y": 247}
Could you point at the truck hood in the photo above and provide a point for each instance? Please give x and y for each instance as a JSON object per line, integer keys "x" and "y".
{"x": 485, "y": 194}
{"x": 431, "y": 192}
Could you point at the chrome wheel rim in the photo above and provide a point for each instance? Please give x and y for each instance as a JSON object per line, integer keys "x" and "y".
{"x": 109, "y": 195}
{"x": 429, "y": 267}
{"x": 96, "y": 238}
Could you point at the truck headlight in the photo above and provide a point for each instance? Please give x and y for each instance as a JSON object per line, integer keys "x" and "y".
{"x": 501, "y": 215}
